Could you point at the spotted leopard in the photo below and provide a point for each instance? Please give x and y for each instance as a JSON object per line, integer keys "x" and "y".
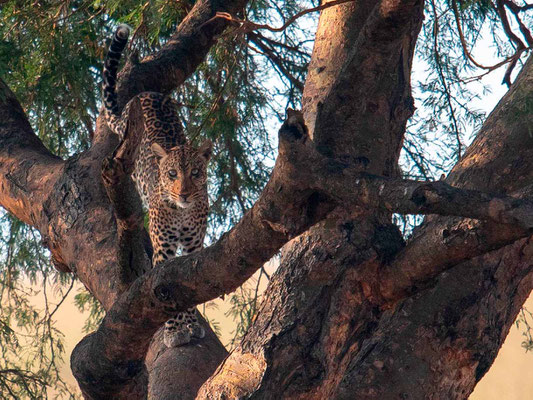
{"x": 170, "y": 176}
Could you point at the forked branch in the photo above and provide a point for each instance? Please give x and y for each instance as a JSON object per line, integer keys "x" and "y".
{"x": 304, "y": 188}
{"x": 520, "y": 47}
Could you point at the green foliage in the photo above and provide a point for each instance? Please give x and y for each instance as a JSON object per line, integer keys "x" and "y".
{"x": 31, "y": 346}
{"x": 245, "y": 304}
{"x": 215, "y": 325}
{"x": 86, "y": 302}
{"x": 525, "y": 321}
{"x": 478, "y": 8}
{"x": 50, "y": 52}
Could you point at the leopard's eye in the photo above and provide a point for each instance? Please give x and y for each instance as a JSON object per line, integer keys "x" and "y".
{"x": 195, "y": 171}
{"x": 172, "y": 173}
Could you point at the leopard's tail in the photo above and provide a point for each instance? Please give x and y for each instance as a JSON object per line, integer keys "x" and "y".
{"x": 120, "y": 39}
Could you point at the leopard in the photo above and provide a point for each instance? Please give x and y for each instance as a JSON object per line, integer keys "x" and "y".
{"x": 170, "y": 175}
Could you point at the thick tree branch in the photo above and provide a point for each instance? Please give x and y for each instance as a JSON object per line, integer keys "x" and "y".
{"x": 182, "y": 369}
{"x": 134, "y": 243}
{"x": 62, "y": 199}
{"x": 304, "y": 187}
{"x": 23, "y": 159}
{"x": 412, "y": 197}
{"x": 374, "y": 49}
{"x": 181, "y": 55}
{"x": 442, "y": 243}
{"x": 456, "y": 321}
{"x": 27, "y": 171}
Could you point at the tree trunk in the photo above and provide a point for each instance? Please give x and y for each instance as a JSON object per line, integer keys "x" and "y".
{"x": 324, "y": 330}
{"x": 353, "y": 311}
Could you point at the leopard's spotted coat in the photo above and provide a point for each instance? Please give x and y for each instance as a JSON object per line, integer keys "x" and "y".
{"x": 171, "y": 177}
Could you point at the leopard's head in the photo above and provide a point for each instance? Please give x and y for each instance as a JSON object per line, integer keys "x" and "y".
{"x": 183, "y": 172}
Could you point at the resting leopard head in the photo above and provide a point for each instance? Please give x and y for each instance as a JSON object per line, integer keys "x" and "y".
{"x": 183, "y": 173}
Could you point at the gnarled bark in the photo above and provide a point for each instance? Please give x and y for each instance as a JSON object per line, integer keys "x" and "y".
{"x": 339, "y": 320}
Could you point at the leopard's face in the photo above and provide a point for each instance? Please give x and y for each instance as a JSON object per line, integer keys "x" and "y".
{"x": 183, "y": 173}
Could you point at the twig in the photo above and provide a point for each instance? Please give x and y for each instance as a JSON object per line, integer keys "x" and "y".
{"x": 414, "y": 158}
{"x": 246, "y": 26}
{"x": 24, "y": 375}
{"x": 444, "y": 83}
{"x": 525, "y": 31}
{"x": 277, "y": 61}
{"x": 294, "y": 48}
{"x": 520, "y": 46}
{"x": 515, "y": 8}
{"x": 512, "y": 59}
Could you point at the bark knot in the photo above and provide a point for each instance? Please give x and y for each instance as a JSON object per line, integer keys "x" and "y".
{"x": 164, "y": 292}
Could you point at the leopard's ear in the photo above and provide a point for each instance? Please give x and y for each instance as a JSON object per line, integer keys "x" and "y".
{"x": 158, "y": 150}
{"x": 206, "y": 150}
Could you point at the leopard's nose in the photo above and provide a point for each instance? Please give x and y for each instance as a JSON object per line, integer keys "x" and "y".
{"x": 184, "y": 197}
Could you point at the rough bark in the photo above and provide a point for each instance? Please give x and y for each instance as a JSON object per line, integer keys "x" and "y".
{"x": 457, "y": 322}
{"x": 305, "y": 198}
{"x": 356, "y": 107}
{"x": 331, "y": 325}
{"x": 352, "y": 311}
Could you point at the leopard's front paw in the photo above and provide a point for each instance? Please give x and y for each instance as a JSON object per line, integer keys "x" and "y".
{"x": 176, "y": 334}
{"x": 196, "y": 330}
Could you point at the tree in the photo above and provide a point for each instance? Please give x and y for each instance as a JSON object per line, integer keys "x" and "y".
{"x": 353, "y": 311}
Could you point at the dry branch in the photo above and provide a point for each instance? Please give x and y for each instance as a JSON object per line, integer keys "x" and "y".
{"x": 512, "y": 59}
{"x": 245, "y": 26}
